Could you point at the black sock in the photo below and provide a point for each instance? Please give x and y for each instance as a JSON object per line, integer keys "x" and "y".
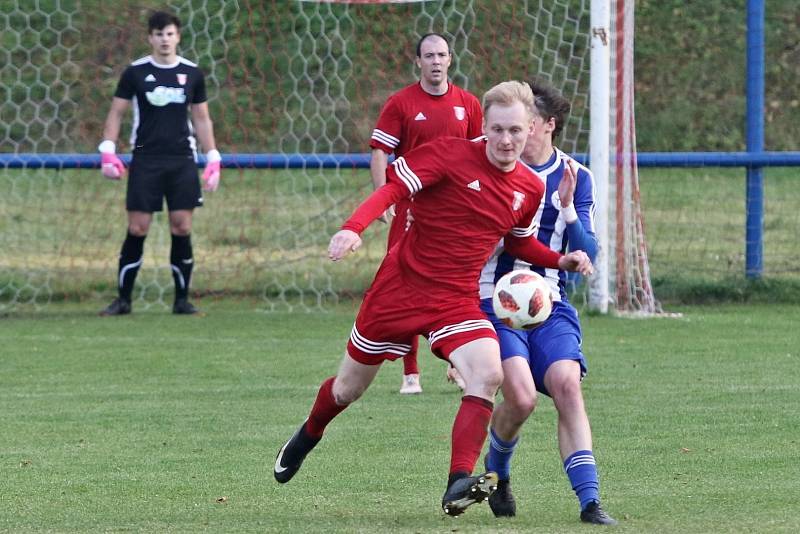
{"x": 130, "y": 259}
{"x": 181, "y": 259}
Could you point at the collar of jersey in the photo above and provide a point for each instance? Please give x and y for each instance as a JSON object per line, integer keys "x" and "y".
{"x": 160, "y": 66}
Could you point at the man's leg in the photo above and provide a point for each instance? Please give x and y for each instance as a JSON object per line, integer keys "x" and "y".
{"x": 575, "y": 438}
{"x": 335, "y": 394}
{"x": 478, "y": 362}
{"x": 519, "y": 401}
{"x": 181, "y": 259}
{"x": 130, "y": 260}
{"x": 411, "y": 383}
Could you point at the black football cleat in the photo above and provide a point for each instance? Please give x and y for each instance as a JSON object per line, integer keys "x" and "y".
{"x": 292, "y": 454}
{"x": 184, "y": 307}
{"x": 467, "y": 491}
{"x": 502, "y": 501}
{"x": 594, "y": 513}
{"x": 118, "y": 306}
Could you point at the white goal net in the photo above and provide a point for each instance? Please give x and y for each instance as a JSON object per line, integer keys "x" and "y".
{"x": 285, "y": 77}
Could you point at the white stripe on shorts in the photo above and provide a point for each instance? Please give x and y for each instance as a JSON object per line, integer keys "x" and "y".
{"x": 464, "y": 326}
{"x": 375, "y": 347}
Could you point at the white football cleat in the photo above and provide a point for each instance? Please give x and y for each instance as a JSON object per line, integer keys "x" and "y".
{"x": 411, "y": 385}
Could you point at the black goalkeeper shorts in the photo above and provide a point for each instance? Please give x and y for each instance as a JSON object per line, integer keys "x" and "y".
{"x": 151, "y": 179}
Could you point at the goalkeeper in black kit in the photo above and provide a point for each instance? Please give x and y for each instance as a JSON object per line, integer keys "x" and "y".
{"x": 166, "y": 91}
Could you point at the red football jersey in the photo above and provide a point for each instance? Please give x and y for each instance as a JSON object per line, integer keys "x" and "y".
{"x": 412, "y": 116}
{"x": 462, "y": 206}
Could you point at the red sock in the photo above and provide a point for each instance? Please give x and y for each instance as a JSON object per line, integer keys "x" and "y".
{"x": 469, "y": 433}
{"x": 324, "y": 410}
{"x": 410, "y": 360}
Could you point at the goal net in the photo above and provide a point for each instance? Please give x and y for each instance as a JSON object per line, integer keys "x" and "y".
{"x": 633, "y": 290}
{"x": 295, "y": 88}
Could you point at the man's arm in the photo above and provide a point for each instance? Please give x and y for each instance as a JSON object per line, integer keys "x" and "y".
{"x": 111, "y": 166}
{"x": 114, "y": 119}
{"x": 377, "y": 170}
{"x": 204, "y": 128}
{"x": 535, "y": 252}
{"x": 348, "y": 239}
{"x": 377, "y": 167}
{"x": 576, "y": 206}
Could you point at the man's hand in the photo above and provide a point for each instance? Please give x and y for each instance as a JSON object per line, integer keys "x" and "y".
{"x": 342, "y": 243}
{"x": 566, "y": 187}
{"x": 576, "y": 261}
{"x": 112, "y": 166}
{"x": 212, "y": 172}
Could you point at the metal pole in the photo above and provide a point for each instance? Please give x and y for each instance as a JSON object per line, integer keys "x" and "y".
{"x": 754, "y": 239}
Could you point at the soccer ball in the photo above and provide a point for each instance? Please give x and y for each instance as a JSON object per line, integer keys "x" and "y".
{"x": 522, "y": 299}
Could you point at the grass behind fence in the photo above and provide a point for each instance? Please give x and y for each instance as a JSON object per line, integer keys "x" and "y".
{"x": 155, "y": 423}
{"x": 265, "y": 234}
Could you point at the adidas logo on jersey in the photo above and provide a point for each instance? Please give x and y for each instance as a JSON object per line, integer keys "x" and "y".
{"x": 475, "y": 185}
{"x": 420, "y": 117}
{"x": 150, "y": 78}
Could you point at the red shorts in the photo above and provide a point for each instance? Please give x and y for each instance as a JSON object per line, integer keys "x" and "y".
{"x": 394, "y": 312}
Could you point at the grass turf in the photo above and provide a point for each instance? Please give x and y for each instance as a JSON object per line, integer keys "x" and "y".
{"x": 170, "y": 424}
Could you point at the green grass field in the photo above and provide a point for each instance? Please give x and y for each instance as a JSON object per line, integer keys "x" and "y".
{"x": 157, "y": 423}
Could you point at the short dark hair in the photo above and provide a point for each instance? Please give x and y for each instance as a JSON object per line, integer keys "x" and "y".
{"x": 550, "y": 103}
{"x": 160, "y": 20}
{"x": 419, "y": 43}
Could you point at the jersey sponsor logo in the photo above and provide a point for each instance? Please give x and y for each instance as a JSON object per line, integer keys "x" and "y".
{"x": 161, "y": 96}
{"x": 475, "y": 185}
{"x": 420, "y": 117}
{"x": 519, "y": 198}
{"x": 460, "y": 112}
{"x": 150, "y": 78}
{"x": 181, "y": 78}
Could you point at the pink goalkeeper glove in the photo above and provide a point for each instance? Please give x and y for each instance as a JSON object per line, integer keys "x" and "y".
{"x": 111, "y": 165}
{"x": 212, "y": 171}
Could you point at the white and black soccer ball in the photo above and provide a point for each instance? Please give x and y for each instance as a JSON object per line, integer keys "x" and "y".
{"x": 522, "y": 299}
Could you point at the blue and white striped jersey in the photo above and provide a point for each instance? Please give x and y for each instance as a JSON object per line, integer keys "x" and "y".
{"x": 551, "y": 228}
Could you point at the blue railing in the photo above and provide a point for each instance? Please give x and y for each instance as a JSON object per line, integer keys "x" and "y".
{"x": 361, "y": 161}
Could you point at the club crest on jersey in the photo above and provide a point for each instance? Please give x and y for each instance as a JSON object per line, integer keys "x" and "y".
{"x": 181, "y": 78}
{"x": 460, "y": 112}
{"x": 519, "y": 198}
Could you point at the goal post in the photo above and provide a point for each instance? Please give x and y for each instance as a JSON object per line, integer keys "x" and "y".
{"x": 599, "y": 140}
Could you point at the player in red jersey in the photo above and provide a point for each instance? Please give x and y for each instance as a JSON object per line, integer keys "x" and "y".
{"x": 431, "y": 108}
{"x": 468, "y": 195}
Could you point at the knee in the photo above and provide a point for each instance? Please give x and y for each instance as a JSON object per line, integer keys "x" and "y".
{"x": 566, "y": 390}
{"x": 489, "y": 380}
{"x": 344, "y": 394}
{"x": 138, "y": 229}
{"x": 523, "y": 404}
{"x": 181, "y": 228}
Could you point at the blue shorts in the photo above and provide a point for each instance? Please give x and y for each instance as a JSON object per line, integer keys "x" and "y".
{"x": 558, "y": 338}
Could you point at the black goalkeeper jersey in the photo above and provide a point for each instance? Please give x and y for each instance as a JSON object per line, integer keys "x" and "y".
{"x": 161, "y": 97}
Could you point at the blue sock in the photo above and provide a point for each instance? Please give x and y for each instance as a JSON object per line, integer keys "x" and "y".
{"x": 499, "y": 457}
{"x": 582, "y": 473}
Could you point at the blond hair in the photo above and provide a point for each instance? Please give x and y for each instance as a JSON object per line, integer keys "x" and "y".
{"x": 506, "y": 93}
